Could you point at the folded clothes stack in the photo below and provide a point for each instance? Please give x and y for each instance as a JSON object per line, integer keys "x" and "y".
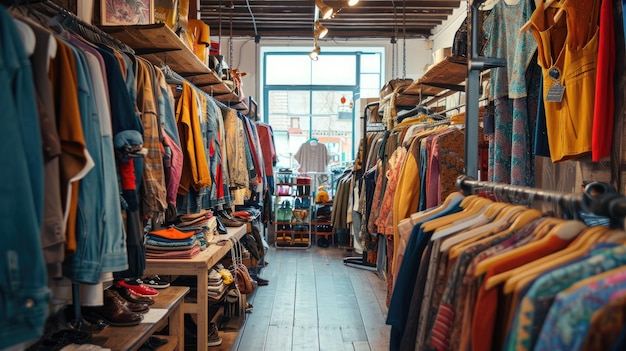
{"x": 204, "y": 224}
{"x": 216, "y": 286}
{"x": 171, "y": 243}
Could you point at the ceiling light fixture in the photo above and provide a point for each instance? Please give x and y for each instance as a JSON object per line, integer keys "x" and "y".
{"x": 352, "y": 2}
{"x": 314, "y": 55}
{"x": 320, "y": 30}
{"x": 326, "y": 11}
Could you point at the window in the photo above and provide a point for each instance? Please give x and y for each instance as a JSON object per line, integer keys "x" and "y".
{"x": 320, "y": 99}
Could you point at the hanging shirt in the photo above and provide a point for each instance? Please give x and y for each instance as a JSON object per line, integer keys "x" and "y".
{"x": 312, "y": 157}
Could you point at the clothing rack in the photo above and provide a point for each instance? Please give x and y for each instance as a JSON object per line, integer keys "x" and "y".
{"x": 475, "y": 65}
{"x": 361, "y": 261}
{"x": 598, "y": 198}
{"x": 72, "y": 22}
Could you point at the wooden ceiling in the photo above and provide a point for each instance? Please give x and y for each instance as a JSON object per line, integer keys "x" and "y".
{"x": 294, "y": 18}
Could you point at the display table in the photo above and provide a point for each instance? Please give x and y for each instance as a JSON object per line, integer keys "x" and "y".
{"x": 198, "y": 266}
{"x": 167, "y": 310}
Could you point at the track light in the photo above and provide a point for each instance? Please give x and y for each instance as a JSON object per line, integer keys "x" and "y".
{"x": 314, "y": 55}
{"x": 320, "y": 30}
{"x": 326, "y": 11}
{"x": 352, "y": 2}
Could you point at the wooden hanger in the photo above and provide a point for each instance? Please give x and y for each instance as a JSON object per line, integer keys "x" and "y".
{"x": 566, "y": 231}
{"x": 480, "y": 217}
{"x": 421, "y": 216}
{"x": 545, "y": 5}
{"x": 470, "y": 239}
{"x": 472, "y": 206}
{"x": 533, "y": 269}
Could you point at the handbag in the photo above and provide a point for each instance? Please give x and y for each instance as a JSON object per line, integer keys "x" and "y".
{"x": 283, "y": 213}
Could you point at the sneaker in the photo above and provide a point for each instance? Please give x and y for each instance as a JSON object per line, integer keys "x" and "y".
{"x": 249, "y": 307}
{"x": 155, "y": 282}
{"x": 137, "y": 286}
{"x": 214, "y": 337}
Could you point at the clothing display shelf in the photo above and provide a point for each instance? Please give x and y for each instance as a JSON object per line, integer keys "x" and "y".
{"x": 361, "y": 261}
{"x": 168, "y": 306}
{"x": 441, "y": 80}
{"x": 293, "y": 208}
{"x": 198, "y": 266}
{"x": 160, "y": 45}
{"x": 321, "y": 227}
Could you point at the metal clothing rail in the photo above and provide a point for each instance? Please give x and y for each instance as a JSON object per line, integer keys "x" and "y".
{"x": 598, "y": 198}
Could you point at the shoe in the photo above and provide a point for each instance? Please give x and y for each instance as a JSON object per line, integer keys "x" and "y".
{"x": 249, "y": 307}
{"x": 214, "y": 337}
{"x": 137, "y": 286}
{"x": 113, "y": 312}
{"x": 221, "y": 228}
{"x": 130, "y": 296}
{"x": 131, "y": 306}
{"x": 155, "y": 282}
{"x": 231, "y": 222}
{"x": 260, "y": 281}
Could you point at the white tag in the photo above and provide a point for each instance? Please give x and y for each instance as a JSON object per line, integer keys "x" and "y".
{"x": 555, "y": 94}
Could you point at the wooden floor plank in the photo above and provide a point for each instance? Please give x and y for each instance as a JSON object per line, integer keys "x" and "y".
{"x": 330, "y": 339}
{"x": 305, "y": 339}
{"x": 279, "y": 338}
{"x": 363, "y": 346}
{"x": 315, "y": 302}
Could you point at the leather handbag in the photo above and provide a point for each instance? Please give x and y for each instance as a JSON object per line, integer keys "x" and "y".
{"x": 244, "y": 281}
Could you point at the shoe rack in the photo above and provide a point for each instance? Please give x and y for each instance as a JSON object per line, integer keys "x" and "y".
{"x": 293, "y": 207}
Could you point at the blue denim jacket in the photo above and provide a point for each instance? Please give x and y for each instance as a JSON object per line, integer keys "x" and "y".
{"x": 23, "y": 283}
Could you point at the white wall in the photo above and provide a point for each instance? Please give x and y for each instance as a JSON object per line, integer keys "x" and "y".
{"x": 443, "y": 35}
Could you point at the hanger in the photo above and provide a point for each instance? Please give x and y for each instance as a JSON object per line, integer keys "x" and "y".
{"x": 533, "y": 269}
{"x": 453, "y": 198}
{"x": 567, "y": 231}
{"x": 470, "y": 207}
{"x": 486, "y": 214}
{"x": 545, "y": 5}
{"x": 459, "y": 243}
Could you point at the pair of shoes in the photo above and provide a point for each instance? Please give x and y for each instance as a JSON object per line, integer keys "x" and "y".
{"x": 249, "y": 307}
{"x": 136, "y": 307}
{"x": 114, "y": 312}
{"x": 155, "y": 282}
{"x": 130, "y": 296}
{"x": 214, "y": 337}
{"x": 137, "y": 286}
{"x": 153, "y": 343}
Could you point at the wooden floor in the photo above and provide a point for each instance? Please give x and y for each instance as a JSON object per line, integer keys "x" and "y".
{"x": 314, "y": 302}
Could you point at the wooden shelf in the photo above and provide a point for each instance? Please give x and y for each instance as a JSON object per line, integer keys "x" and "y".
{"x": 131, "y": 338}
{"x": 198, "y": 266}
{"x": 442, "y": 79}
{"x": 158, "y": 44}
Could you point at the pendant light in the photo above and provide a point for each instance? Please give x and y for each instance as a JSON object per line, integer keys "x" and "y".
{"x": 352, "y": 2}
{"x": 326, "y": 11}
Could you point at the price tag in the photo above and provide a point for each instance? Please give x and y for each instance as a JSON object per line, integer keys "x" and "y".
{"x": 555, "y": 93}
